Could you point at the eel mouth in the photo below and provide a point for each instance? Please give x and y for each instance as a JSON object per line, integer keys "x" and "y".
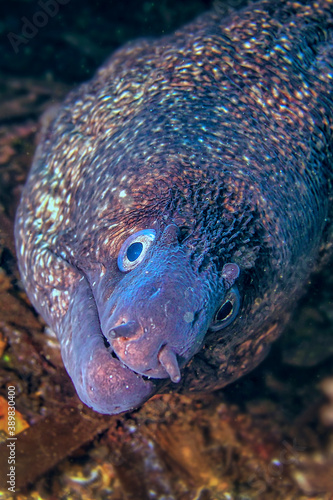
{"x": 101, "y": 379}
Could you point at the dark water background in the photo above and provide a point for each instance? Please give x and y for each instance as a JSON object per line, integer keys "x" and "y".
{"x": 76, "y": 40}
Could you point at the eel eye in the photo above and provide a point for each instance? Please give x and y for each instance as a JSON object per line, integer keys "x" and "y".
{"x": 134, "y": 249}
{"x": 227, "y": 311}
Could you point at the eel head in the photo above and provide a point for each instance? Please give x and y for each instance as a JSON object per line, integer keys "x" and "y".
{"x": 131, "y": 332}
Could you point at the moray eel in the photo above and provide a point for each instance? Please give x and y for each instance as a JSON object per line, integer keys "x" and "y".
{"x": 179, "y": 201}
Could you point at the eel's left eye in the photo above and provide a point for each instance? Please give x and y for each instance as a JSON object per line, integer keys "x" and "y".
{"x": 134, "y": 249}
{"x": 227, "y": 311}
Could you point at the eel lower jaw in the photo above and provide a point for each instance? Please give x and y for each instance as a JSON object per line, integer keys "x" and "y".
{"x": 108, "y": 386}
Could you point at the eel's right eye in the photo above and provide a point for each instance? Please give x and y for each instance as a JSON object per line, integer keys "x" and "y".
{"x": 134, "y": 249}
{"x": 227, "y": 311}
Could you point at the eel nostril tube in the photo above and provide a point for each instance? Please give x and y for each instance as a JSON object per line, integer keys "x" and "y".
{"x": 128, "y": 329}
{"x": 168, "y": 360}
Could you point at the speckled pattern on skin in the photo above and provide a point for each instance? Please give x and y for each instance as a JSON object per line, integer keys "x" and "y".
{"x": 219, "y": 139}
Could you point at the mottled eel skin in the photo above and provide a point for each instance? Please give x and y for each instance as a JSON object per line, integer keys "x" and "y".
{"x": 179, "y": 200}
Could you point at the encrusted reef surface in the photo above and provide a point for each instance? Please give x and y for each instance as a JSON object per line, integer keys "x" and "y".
{"x": 267, "y": 436}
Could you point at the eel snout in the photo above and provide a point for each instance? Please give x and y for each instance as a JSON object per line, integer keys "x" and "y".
{"x": 157, "y": 317}
{"x": 161, "y": 364}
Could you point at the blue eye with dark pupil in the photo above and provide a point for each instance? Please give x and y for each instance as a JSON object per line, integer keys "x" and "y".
{"x": 134, "y": 251}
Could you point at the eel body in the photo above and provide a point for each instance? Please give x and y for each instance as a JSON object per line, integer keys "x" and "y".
{"x": 179, "y": 201}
